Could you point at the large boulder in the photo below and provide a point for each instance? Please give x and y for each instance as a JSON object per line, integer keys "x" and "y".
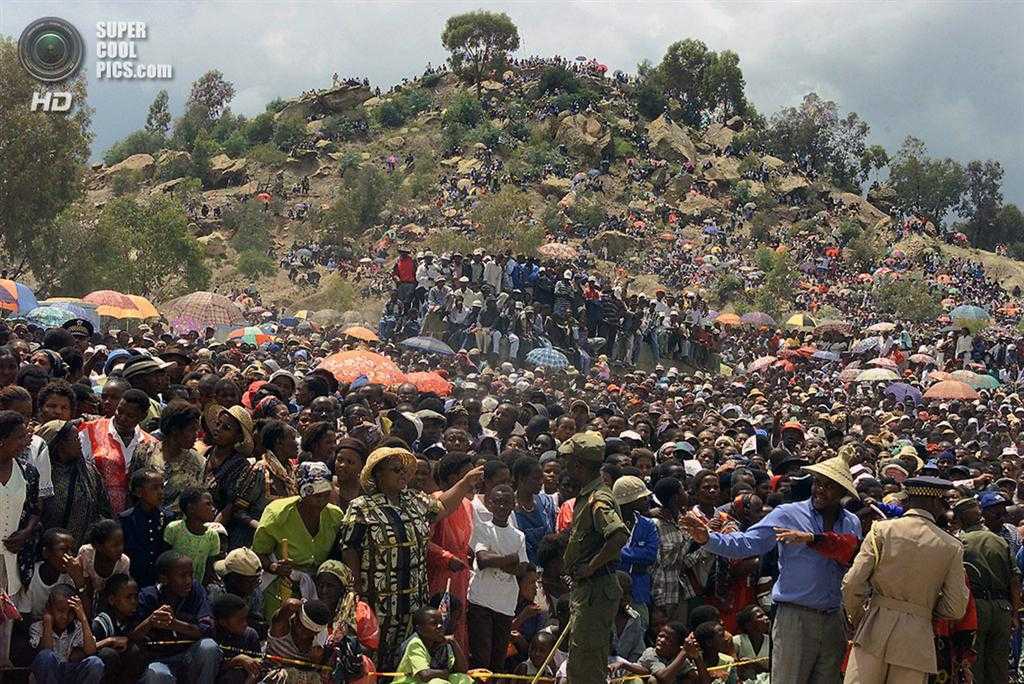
{"x": 143, "y": 164}
{"x": 700, "y": 207}
{"x": 670, "y": 141}
{"x": 553, "y": 185}
{"x": 678, "y": 187}
{"x": 863, "y": 211}
{"x": 166, "y": 187}
{"x": 788, "y": 184}
{"x": 225, "y": 171}
{"x": 736, "y": 123}
{"x": 493, "y": 86}
{"x": 724, "y": 170}
{"x": 173, "y": 163}
{"x": 883, "y": 197}
{"x": 615, "y": 242}
{"x": 719, "y": 135}
{"x": 213, "y": 244}
{"x": 583, "y": 135}
{"x": 464, "y": 167}
{"x": 334, "y": 100}
{"x": 772, "y": 163}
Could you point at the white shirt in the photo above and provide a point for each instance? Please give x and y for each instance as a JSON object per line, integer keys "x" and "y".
{"x": 33, "y": 597}
{"x": 128, "y": 451}
{"x": 490, "y": 587}
{"x": 12, "y": 503}
{"x": 39, "y": 456}
{"x": 63, "y": 644}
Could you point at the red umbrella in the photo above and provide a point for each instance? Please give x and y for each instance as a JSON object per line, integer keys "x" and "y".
{"x": 882, "y": 362}
{"x": 758, "y": 364}
{"x": 784, "y": 365}
{"x": 263, "y": 197}
{"x": 348, "y": 365}
{"x": 430, "y": 381}
{"x": 951, "y": 389}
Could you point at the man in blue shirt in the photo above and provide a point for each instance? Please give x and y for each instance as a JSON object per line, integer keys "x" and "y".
{"x": 809, "y": 630}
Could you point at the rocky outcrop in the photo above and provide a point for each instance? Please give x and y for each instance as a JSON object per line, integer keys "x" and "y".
{"x": 325, "y": 102}
{"x": 225, "y": 171}
{"x": 553, "y": 185}
{"x": 214, "y": 245}
{"x": 788, "y": 184}
{"x": 719, "y": 136}
{"x": 863, "y": 211}
{"x": 174, "y": 162}
{"x": 700, "y": 207}
{"x": 583, "y": 135}
{"x": 670, "y": 141}
{"x": 678, "y": 187}
{"x": 143, "y": 164}
{"x": 883, "y": 197}
{"x": 724, "y": 170}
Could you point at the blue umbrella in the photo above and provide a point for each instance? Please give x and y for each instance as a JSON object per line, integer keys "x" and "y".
{"x": 430, "y": 345}
{"x": 86, "y": 311}
{"x": 901, "y": 390}
{"x": 49, "y": 316}
{"x": 969, "y": 312}
{"x": 712, "y": 230}
{"x": 547, "y": 356}
{"x": 861, "y": 346}
{"x": 823, "y": 355}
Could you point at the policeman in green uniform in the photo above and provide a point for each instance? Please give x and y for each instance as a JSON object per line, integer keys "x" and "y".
{"x": 595, "y": 540}
{"x": 996, "y": 589}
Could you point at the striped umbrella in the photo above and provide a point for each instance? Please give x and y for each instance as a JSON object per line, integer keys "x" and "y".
{"x": 800, "y": 320}
{"x": 16, "y": 297}
{"x": 200, "y": 310}
{"x": 251, "y": 335}
{"x": 547, "y": 357}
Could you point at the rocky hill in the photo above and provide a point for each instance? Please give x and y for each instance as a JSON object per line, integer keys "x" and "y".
{"x": 588, "y": 170}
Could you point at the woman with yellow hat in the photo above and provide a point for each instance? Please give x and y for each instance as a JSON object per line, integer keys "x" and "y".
{"x": 385, "y": 541}
{"x": 238, "y": 490}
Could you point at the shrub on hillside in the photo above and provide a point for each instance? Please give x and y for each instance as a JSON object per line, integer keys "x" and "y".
{"x": 464, "y": 109}
{"x": 267, "y": 154}
{"x": 253, "y": 264}
{"x": 139, "y": 142}
{"x": 288, "y": 132}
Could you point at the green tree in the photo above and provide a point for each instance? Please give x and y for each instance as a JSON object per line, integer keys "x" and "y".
{"x": 650, "y": 90}
{"x": 143, "y": 248}
{"x": 139, "y": 142}
{"x": 502, "y": 215}
{"x": 908, "y": 298}
{"x": 390, "y": 114}
{"x": 873, "y": 160}
{"x": 981, "y": 202}
{"x": 158, "y": 120}
{"x": 253, "y": 264}
{"x": 362, "y": 198}
{"x": 816, "y": 134}
{"x": 685, "y": 69}
{"x": 776, "y": 291}
{"x": 249, "y": 226}
{"x": 925, "y": 186}
{"x": 211, "y": 93}
{"x": 288, "y": 132}
{"x": 479, "y": 42}
{"x": 42, "y": 162}
{"x": 203, "y": 150}
{"x": 724, "y": 85}
{"x": 259, "y": 129}
{"x": 464, "y": 110}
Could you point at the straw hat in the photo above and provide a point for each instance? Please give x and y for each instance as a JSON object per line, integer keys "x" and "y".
{"x": 836, "y": 469}
{"x": 244, "y": 421}
{"x": 382, "y": 454}
{"x": 628, "y": 489}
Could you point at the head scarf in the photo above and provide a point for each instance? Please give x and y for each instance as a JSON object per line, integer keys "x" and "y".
{"x": 338, "y": 569}
{"x": 266, "y": 407}
{"x": 313, "y": 478}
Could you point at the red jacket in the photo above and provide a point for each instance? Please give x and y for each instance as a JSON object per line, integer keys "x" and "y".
{"x": 405, "y": 269}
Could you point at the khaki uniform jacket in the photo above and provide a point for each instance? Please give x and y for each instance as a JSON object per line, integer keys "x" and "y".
{"x": 908, "y": 572}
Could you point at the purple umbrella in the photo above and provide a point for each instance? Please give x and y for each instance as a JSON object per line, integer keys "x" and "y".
{"x": 901, "y": 390}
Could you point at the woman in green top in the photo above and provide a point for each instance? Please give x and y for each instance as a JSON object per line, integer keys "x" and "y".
{"x": 297, "y": 533}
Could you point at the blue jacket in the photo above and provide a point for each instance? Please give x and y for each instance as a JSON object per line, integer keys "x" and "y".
{"x": 638, "y": 555}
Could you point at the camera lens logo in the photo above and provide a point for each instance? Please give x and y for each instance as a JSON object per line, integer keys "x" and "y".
{"x": 51, "y": 49}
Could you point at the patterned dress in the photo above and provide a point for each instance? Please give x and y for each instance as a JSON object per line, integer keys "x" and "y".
{"x": 235, "y": 481}
{"x": 392, "y": 542}
{"x": 184, "y": 472}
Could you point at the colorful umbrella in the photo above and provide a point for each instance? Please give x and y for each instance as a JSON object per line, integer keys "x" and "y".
{"x": 937, "y": 376}
{"x": 975, "y": 380}
{"x": 882, "y": 362}
{"x": 16, "y": 297}
{"x": 250, "y": 335}
{"x": 346, "y": 366}
{"x": 728, "y": 319}
{"x": 113, "y": 304}
{"x": 882, "y": 327}
{"x": 823, "y": 355}
{"x": 800, "y": 320}
{"x": 758, "y": 318}
{"x": 361, "y": 333}
{"x": 969, "y": 316}
{"x": 430, "y": 381}
{"x": 901, "y": 390}
{"x": 828, "y": 327}
{"x": 950, "y": 389}
{"x": 547, "y": 357}
{"x": 861, "y": 346}
{"x": 921, "y": 358}
{"x": 77, "y": 307}
{"x": 49, "y": 316}
{"x": 759, "y": 363}
{"x": 201, "y": 310}
{"x": 848, "y": 374}
{"x": 876, "y": 375}
{"x": 263, "y": 197}
{"x": 557, "y": 250}
{"x": 428, "y": 345}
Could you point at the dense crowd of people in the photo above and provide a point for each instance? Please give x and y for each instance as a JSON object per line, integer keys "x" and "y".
{"x": 568, "y": 477}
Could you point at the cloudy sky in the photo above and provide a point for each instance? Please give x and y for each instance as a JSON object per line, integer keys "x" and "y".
{"x": 947, "y": 72}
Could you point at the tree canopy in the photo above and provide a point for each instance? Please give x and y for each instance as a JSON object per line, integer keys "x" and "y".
{"x": 479, "y": 42}
{"x": 925, "y": 186}
{"x": 37, "y": 150}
